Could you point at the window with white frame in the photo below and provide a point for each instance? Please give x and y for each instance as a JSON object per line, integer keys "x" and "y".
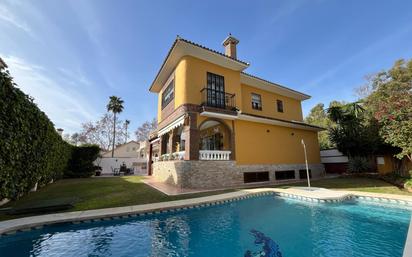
{"x": 256, "y": 101}
{"x": 279, "y": 105}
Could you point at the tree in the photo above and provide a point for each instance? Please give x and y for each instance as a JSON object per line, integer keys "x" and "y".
{"x": 143, "y": 131}
{"x": 115, "y": 105}
{"x": 355, "y": 133}
{"x": 126, "y": 124}
{"x": 391, "y": 104}
{"x": 100, "y": 132}
{"x": 318, "y": 117}
{"x": 75, "y": 137}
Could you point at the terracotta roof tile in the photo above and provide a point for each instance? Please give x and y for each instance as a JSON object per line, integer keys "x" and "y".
{"x": 178, "y": 38}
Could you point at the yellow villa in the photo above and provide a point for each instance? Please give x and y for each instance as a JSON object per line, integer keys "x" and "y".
{"x": 219, "y": 126}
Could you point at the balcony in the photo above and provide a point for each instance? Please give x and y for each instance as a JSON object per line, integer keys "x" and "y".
{"x": 215, "y": 99}
{"x": 213, "y": 155}
{"x": 204, "y": 155}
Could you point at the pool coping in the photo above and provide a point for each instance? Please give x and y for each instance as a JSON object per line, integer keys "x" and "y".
{"x": 36, "y": 222}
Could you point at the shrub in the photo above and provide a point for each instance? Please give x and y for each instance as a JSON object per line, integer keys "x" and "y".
{"x": 81, "y": 162}
{"x": 31, "y": 151}
{"x": 358, "y": 164}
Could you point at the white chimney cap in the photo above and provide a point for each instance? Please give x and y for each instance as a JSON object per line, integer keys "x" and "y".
{"x": 230, "y": 39}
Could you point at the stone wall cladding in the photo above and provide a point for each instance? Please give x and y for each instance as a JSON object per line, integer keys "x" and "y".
{"x": 219, "y": 174}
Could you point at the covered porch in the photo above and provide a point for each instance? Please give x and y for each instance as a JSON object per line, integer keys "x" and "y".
{"x": 212, "y": 140}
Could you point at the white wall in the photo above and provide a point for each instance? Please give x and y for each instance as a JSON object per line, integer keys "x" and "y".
{"x": 130, "y": 149}
{"x": 332, "y": 156}
{"x": 137, "y": 163}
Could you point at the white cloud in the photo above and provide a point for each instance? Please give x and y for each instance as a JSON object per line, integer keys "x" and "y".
{"x": 75, "y": 77}
{"x": 8, "y": 16}
{"x": 64, "y": 106}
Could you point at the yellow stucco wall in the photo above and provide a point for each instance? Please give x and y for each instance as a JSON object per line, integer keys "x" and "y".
{"x": 254, "y": 145}
{"x": 292, "y": 109}
{"x": 191, "y": 77}
{"x": 159, "y": 107}
{"x": 201, "y": 119}
{"x": 387, "y": 166}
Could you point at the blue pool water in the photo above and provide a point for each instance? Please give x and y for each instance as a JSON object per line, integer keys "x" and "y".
{"x": 299, "y": 229}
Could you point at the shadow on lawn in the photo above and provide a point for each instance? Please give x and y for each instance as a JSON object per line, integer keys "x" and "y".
{"x": 94, "y": 193}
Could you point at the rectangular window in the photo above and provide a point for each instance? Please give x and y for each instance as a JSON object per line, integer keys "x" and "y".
{"x": 256, "y": 102}
{"x": 286, "y": 174}
{"x": 250, "y": 177}
{"x": 279, "y": 104}
{"x": 168, "y": 94}
{"x": 380, "y": 160}
{"x": 302, "y": 174}
{"x": 215, "y": 90}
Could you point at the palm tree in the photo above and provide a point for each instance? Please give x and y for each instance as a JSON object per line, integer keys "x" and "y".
{"x": 126, "y": 124}
{"x": 115, "y": 105}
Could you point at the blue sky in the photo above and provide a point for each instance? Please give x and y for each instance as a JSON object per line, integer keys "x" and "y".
{"x": 72, "y": 55}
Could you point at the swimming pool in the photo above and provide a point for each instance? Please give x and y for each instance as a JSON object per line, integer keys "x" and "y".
{"x": 241, "y": 228}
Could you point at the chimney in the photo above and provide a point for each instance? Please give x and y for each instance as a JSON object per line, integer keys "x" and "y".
{"x": 60, "y": 131}
{"x": 230, "y": 46}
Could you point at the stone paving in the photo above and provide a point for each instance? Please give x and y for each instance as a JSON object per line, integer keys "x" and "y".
{"x": 169, "y": 189}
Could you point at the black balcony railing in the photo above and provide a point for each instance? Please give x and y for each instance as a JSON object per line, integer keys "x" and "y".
{"x": 218, "y": 99}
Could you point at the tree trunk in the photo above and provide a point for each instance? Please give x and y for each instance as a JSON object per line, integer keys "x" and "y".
{"x": 126, "y": 135}
{"x": 114, "y": 133}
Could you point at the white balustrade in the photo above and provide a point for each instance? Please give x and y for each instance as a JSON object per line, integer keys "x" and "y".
{"x": 212, "y": 155}
{"x": 171, "y": 157}
{"x": 179, "y": 155}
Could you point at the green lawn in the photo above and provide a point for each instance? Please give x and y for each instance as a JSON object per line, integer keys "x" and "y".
{"x": 356, "y": 184}
{"x": 95, "y": 193}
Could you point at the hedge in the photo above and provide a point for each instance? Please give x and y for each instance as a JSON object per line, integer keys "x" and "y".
{"x": 31, "y": 151}
{"x": 81, "y": 161}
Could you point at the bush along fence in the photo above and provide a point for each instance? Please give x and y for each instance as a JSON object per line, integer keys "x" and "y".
{"x": 81, "y": 162}
{"x": 32, "y": 153}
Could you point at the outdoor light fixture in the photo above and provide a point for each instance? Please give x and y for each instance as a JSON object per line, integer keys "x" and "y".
{"x": 306, "y": 162}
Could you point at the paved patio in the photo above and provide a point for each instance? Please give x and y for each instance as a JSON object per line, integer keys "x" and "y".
{"x": 173, "y": 190}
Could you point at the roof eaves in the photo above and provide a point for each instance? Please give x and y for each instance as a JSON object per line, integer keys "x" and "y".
{"x": 178, "y": 38}
{"x": 213, "y": 51}
{"x": 287, "y": 121}
{"x": 275, "y": 84}
{"x": 164, "y": 61}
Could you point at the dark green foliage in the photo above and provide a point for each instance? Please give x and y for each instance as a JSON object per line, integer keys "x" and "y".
{"x": 81, "y": 163}
{"x": 31, "y": 151}
{"x": 355, "y": 133}
{"x": 358, "y": 164}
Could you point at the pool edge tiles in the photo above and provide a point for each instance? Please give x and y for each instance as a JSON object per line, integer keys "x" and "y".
{"x": 327, "y": 196}
{"x": 407, "y": 250}
{"x": 27, "y": 223}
